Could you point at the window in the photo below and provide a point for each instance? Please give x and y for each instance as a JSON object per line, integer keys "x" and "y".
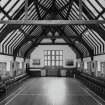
{"x": 53, "y": 57}
{"x": 3, "y": 69}
{"x": 102, "y": 68}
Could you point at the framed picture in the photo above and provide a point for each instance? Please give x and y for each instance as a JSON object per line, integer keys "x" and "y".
{"x": 36, "y": 62}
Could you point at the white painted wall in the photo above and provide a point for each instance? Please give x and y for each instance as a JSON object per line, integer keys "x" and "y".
{"x": 27, "y": 61}
{"x": 38, "y": 53}
{"x": 97, "y": 64}
{"x": 100, "y": 58}
{"x": 7, "y": 59}
{"x": 9, "y": 62}
{"x": 20, "y": 60}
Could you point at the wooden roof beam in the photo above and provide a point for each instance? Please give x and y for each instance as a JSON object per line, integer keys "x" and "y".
{"x": 57, "y": 37}
{"x": 26, "y": 9}
{"x": 80, "y": 9}
{"x": 53, "y": 43}
{"x": 70, "y": 6}
{"x": 37, "y": 8}
{"x": 52, "y": 22}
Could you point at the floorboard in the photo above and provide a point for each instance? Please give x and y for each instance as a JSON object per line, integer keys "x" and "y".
{"x": 53, "y": 91}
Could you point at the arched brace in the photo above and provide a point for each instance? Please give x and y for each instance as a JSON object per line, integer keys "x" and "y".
{"x": 37, "y": 40}
{"x": 25, "y": 40}
{"x": 78, "y": 51}
{"x": 37, "y": 9}
{"x": 17, "y": 49}
{"x": 33, "y": 46}
{"x": 28, "y": 52}
{"x": 79, "y": 38}
{"x": 87, "y": 47}
{"x": 66, "y": 38}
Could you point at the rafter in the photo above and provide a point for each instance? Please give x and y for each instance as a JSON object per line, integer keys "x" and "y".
{"x": 26, "y": 9}
{"x": 101, "y": 13}
{"x": 62, "y": 8}
{"x": 4, "y": 12}
{"x": 37, "y": 8}
{"x": 70, "y": 6}
{"x": 17, "y": 23}
{"x": 83, "y": 31}
{"x": 95, "y": 27}
{"x": 11, "y": 27}
{"x": 53, "y": 2}
{"x": 43, "y": 7}
{"x": 80, "y": 9}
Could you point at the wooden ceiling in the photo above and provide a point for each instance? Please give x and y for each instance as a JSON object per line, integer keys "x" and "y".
{"x": 25, "y": 23}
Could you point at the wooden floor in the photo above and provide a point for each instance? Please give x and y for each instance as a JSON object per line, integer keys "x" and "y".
{"x": 52, "y": 91}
